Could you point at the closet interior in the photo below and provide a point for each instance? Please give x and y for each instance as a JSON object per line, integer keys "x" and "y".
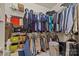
{"x": 41, "y": 29}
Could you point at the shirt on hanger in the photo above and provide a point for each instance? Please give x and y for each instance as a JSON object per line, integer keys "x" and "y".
{"x": 75, "y": 26}
{"x": 50, "y": 23}
{"x": 70, "y": 20}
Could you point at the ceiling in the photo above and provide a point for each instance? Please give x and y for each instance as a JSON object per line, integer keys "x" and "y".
{"x": 47, "y": 5}
{"x": 52, "y": 6}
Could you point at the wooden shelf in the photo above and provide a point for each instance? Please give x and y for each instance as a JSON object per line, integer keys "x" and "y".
{"x": 18, "y": 33}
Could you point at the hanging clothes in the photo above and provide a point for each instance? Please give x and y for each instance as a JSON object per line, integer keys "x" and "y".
{"x": 75, "y": 26}
{"x": 62, "y": 48}
{"x": 54, "y": 45}
{"x": 71, "y": 48}
{"x": 64, "y": 26}
{"x": 63, "y": 21}
{"x": 42, "y": 41}
{"x": 42, "y": 23}
{"x": 47, "y": 22}
{"x": 47, "y": 41}
{"x": 53, "y": 48}
{"x": 77, "y": 49}
{"x": 66, "y": 15}
{"x": 60, "y": 22}
{"x": 57, "y": 24}
{"x": 26, "y": 48}
{"x": 50, "y": 23}
{"x": 25, "y": 19}
{"x": 30, "y": 20}
{"x": 39, "y": 22}
{"x": 69, "y": 19}
{"x": 37, "y": 43}
{"x": 33, "y": 43}
{"x": 33, "y": 23}
{"x": 36, "y": 23}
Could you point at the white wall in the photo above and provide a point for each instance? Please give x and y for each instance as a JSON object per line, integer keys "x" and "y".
{"x": 2, "y": 26}
{"x": 9, "y": 11}
{"x": 35, "y": 7}
{"x": 2, "y": 9}
{"x": 2, "y": 35}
